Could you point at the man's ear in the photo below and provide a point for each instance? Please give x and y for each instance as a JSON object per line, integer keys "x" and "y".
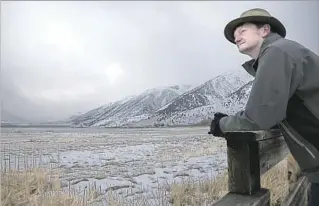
{"x": 266, "y": 29}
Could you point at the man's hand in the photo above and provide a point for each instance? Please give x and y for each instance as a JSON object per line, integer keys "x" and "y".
{"x": 214, "y": 127}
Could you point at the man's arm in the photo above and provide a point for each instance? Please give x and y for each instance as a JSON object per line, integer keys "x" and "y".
{"x": 269, "y": 95}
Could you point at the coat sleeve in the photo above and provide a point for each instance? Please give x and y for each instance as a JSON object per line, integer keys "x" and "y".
{"x": 268, "y": 99}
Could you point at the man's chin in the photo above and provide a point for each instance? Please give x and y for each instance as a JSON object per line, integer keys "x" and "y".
{"x": 242, "y": 50}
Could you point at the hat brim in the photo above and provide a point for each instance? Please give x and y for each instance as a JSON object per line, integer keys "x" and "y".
{"x": 275, "y": 24}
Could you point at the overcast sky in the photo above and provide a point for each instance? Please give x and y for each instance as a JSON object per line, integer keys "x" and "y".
{"x": 60, "y": 58}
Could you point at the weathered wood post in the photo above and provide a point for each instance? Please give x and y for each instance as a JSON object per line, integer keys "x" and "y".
{"x": 243, "y": 165}
{"x": 250, "y": 154}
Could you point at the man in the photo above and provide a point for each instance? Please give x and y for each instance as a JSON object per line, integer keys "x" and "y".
{"x": 285, "y": 92}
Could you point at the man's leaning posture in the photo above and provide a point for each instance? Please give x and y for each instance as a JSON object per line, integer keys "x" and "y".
{"x": 285, "y": 91}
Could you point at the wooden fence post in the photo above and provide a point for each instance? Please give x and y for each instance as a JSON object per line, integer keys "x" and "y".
{"x": 251, "y": 154}
{"x": 243, "y": 167}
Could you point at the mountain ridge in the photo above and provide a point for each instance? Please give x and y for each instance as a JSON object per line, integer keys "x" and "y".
{"x": 170, "y": 105}
{"x": 131, "y": 109}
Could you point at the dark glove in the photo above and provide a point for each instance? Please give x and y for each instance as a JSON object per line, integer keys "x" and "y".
{"x": 214, "y": 127}
{"x": 275, "y": 127}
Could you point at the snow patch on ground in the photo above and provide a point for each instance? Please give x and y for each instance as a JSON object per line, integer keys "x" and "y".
{"x": 127, "y": 161}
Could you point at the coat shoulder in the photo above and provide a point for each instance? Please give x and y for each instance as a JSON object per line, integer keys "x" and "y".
{"x": 294, "y": 49}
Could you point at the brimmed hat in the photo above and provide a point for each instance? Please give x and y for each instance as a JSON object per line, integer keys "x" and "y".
{"x": 254, "y": 15}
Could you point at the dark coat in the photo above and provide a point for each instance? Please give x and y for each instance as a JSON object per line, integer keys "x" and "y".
{"x": 285, "y": 93}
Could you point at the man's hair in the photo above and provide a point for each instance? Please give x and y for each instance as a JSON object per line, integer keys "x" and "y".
{"x": 261, "y": 24}
{"x": 258, "y": 24}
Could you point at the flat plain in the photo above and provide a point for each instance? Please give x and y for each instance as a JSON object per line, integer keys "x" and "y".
{"x": 129, "y": 162}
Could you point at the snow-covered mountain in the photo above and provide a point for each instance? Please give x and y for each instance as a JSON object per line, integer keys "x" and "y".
{"x": 224, "y": 93}
{"x": 209, "y": 93}
{"x": 238, "y": 99}
{"x": 8, "y": 117}
{"x": 175, "y": 105}
{"x": 130, "y": 110}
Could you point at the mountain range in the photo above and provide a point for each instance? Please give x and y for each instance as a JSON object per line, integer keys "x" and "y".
{"x": 172, "y": 105}
{"x": 7, "y": 117}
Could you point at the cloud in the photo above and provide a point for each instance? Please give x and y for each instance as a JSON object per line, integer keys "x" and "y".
{"x": 55, "y": 56}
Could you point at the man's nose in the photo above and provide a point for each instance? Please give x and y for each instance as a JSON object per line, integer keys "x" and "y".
{"x": 237, "y": 39}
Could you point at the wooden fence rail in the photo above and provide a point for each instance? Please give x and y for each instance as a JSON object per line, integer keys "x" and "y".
{"x": 250, "y": 155}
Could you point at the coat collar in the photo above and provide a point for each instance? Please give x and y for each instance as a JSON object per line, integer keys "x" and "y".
{"x": 251, "y": 65}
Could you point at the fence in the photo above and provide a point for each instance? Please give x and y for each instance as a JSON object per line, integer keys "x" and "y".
{"x": 250, "y": 155}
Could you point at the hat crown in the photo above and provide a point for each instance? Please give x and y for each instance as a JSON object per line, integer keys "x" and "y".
{"x": 256, "y": 12}
{"x": 254, "y": 15}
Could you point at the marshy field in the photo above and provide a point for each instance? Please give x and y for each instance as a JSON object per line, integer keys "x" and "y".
{"x": 118, "y": 166}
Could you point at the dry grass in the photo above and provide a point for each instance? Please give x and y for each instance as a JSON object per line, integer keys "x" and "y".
{"x": 276, "y": 181}
{"x": 200, "y": 192}
{"x": 205, "y": 192}
{"x": 38, "y": 186}
{"x": 42, "y": 186}
{"x": 35, "y": 184}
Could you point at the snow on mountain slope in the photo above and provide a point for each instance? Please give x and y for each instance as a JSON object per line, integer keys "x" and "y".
{"x": 238, "y": 99}
{"x": 186, "y": 110}
{"x": 174, "y": 105}
{"x": 130, "y": 110}
{"x": 211, "y": 92}
{"x": 90, "y": 117}
{"x": 188, "y": 117}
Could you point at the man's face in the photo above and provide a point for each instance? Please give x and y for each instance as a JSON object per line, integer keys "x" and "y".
{"x": 248, "y": 37}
